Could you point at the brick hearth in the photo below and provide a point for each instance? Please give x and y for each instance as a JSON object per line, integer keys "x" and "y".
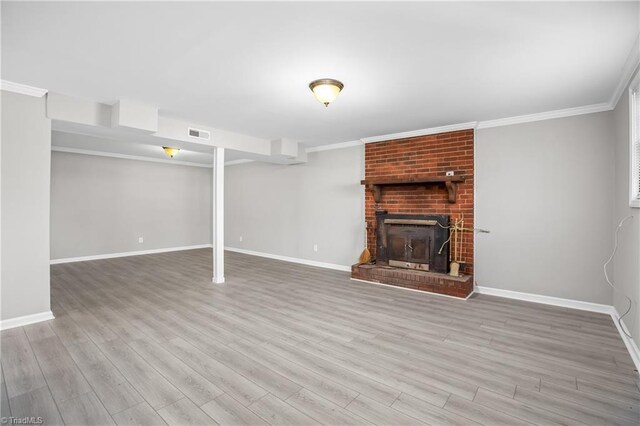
{"x": 417, "y": 280}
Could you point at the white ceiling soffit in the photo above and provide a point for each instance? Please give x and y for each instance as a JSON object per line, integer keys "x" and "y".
{"x": 23, "y": 89}
{"x": 92, "y": 145}
{"x": 137, "y": 123}
{"x": 245, "y": 67}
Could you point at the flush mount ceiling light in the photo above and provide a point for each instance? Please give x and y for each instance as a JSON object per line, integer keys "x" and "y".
{"x": 170, "y": 151}
{"x": 326, "y": 90}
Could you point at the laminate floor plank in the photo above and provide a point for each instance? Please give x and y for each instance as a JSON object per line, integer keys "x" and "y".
{"x": 376, "y": 390}
{"x": 39, "y": 404}
{"x": 226, "y": 411}
{"x": 68, "y": 331}
{"x": 263, "y": 376}
{"x": 557, "y": 368}
{"x": 628, "y": 410}
{"x": 278, "y": 412}
{"x": 139, "y": 415}
{"x": 630, "y": 395}
{"x": 116, "y": 397}
{"x": 5, "y": 410}
{"x": 113, "y": 390}
{"x": 185, "y": 412}
{"x": 49, "y": 347}
{"x": 570, "y": 409}
{"x": 119, "y": 325}
{"x": 334, "y": 392}
{"x": 22, "y": 373}
{"x": 428, "y": 413}
{"x": 322, "y": 410}
{"x": 154, "y": 388}
{"x": 418, "y": 388}
{"x": 187, "y": 380}
{"x": 379, "y": 414}
{"x": 438, "y": 363}
{"x": 521, "y": 410}
{"x": 84, "y": 410}
{"x": 217, "y": 373}
{"x": 38, "y": 331}
{"x": 480, "y": 413}
{"x": 148, "y": 340}
{"x": 463, "y": 386}
{"x": 64, "y": 378}
{"x": 94, "y": 328}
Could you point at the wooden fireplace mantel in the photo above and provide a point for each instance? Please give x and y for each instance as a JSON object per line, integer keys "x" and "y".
{"x": 450, "y": 182}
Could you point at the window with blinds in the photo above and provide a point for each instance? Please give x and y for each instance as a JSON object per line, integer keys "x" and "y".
{"x": 634, "y": 185}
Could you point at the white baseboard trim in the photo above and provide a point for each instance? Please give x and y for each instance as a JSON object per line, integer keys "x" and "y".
{"x": 126, "y": 254}
{"x": 547, "y": 300}
{"x": 25, "y": 320}
{"x": 291, "y": 259}
{"x": 631, "y": 345}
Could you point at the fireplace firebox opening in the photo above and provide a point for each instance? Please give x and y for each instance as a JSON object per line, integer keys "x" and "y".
{"x": 413, "y": 241}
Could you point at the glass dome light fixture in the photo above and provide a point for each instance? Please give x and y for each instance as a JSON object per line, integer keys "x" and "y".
{"x": 170, "y": 151}
{"x": 326, "y": 90}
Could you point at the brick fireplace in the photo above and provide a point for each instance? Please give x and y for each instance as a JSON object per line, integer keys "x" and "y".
{"x": 406, "y": 179}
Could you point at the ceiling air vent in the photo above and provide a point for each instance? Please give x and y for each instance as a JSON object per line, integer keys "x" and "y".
{"x": 200, "y": 134}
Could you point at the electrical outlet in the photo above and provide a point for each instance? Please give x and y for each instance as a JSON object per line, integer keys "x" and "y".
{"x": 240, "y": 238}
{"x": 140, "y": 240}
{"x": 450, "y": 173}
{"x": 315, "y": 247}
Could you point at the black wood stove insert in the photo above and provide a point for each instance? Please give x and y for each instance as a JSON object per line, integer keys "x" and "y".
{"x": 413, "y": 241}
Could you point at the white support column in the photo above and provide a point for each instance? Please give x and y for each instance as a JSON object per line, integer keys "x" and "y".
{"x": 217, "y": 226}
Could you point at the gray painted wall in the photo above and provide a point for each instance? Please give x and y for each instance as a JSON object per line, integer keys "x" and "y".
{"x": 626, "y": 266}
{"x": 25, "y": 174}
{"x": 101, "y": 205}
{"x": 543, "y": 189}
{"x": 285, "y": 210}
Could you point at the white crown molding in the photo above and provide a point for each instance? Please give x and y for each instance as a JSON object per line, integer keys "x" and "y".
{"x": 508, "y": 121}
{"x": 421, "y": 132}
{"x": 128, "y": 157}
{"x": 341, "y": 145}
{"x": 307, "y": 262}
{"x": 23, "y": 89}
{"x": 126, "y": 254}
{"x": 26, "y": 320}
{"x": 548, "y": 115}
{"x": 629, "y": 69}
{"x": 236, "y": 162}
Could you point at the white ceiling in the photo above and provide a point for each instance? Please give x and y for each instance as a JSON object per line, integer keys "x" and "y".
{"x": 245, "y": 67}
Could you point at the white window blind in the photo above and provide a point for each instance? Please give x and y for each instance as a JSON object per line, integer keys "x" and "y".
{"x": 635, "y": 145}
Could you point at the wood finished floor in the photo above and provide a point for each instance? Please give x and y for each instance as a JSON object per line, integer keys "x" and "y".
{"x": 149, "y": 340}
